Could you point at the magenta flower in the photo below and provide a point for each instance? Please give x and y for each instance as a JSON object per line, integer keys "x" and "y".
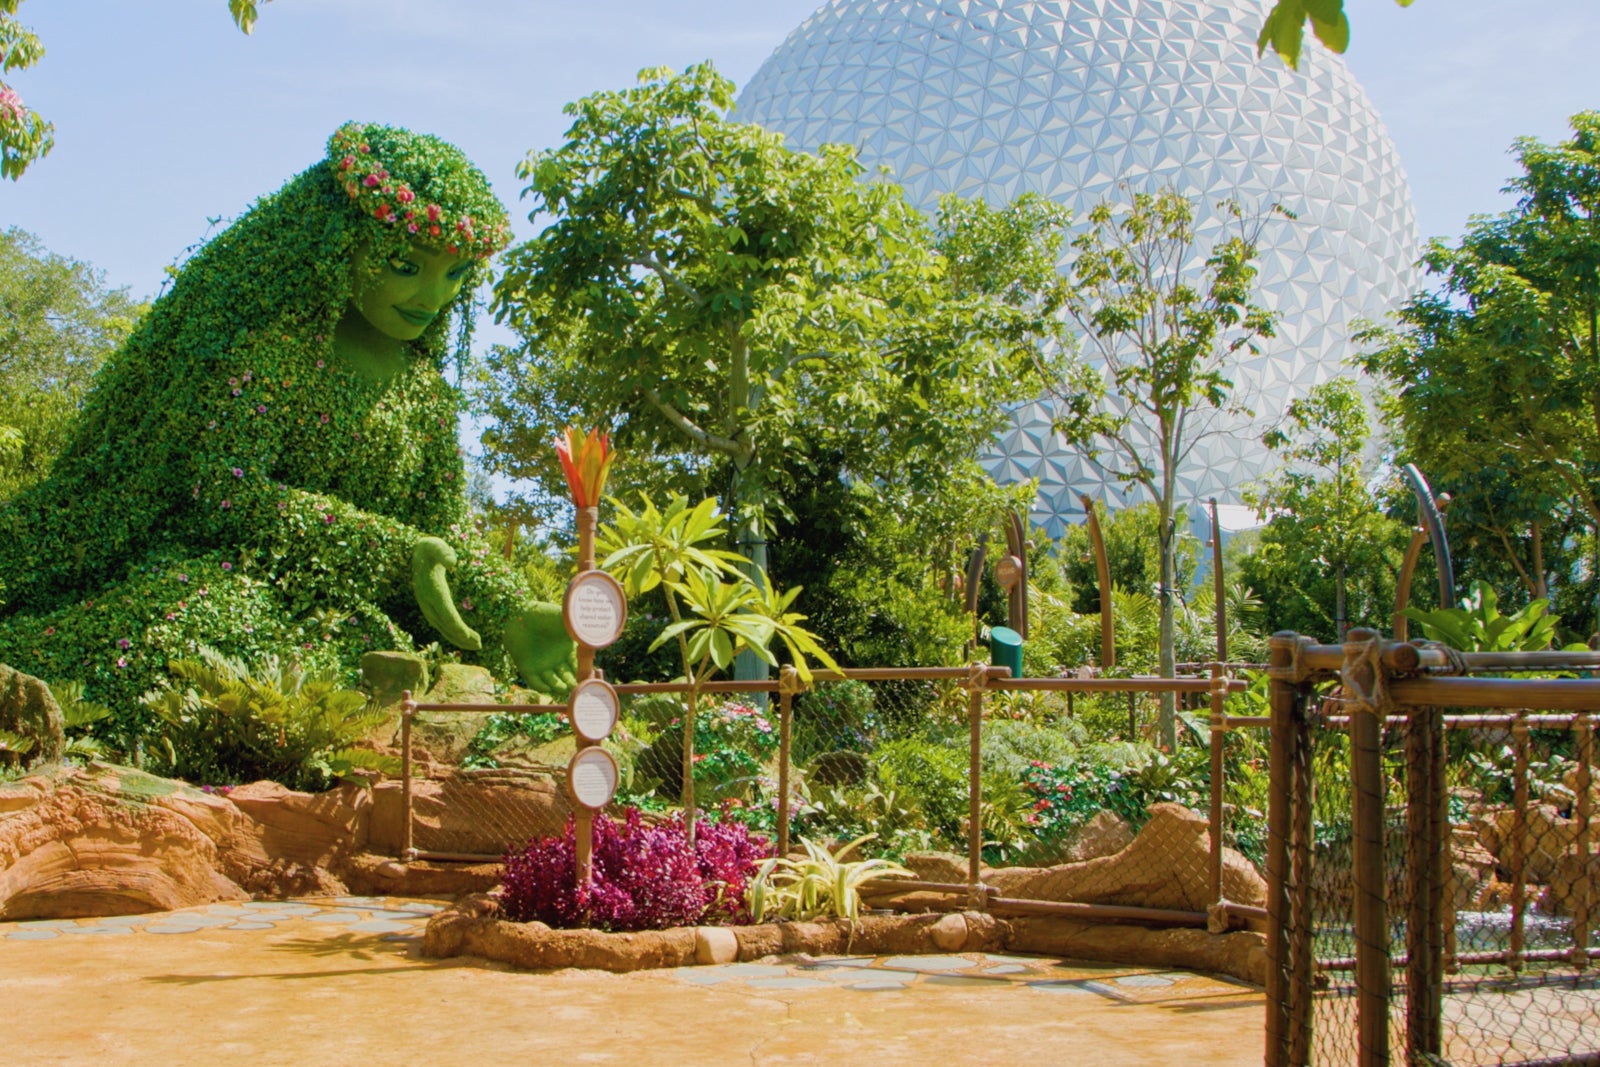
{"x": 323, "y": 418}
{"x": 122, "y": 661}
{"x": 261, "y": 409}
{"x": 371, "y": 181}
{"x": 123, "y": 642}
{"x": 226, "y": 504}
{"x": 327, "y": 518}
{"x": 236, "y": 392}
{"x": 238, "y": 472}
{"x": 227, "y": 566}
{"x": 320, "y": 363}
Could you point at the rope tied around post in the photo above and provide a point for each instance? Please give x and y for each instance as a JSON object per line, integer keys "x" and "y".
{"x": 1456, "y": 664}
{"x": 789, "y": 681}
{"x": 1365, "y": 682}
{"x": 977, "y": 679}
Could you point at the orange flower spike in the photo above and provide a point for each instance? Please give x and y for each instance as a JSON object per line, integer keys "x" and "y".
{"x": 586, "y": 462}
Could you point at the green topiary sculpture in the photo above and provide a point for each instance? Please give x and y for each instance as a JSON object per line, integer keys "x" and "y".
{"x": 270, "y": 462}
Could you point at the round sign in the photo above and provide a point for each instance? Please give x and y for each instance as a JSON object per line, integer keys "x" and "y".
{"x": 1008, "y": 571}
{"x": 592, "y": 777}
{"x": 594, "y": 709}
{"x": 594, "y": 609}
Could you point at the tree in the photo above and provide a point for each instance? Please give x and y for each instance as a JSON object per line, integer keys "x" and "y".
{"x": 1285, "y": 27}
{"x": 1328, "y": 558}
{"x": 24, "y": 135}
{"x": 1508, "y": 342}
{"x": 1161, "y": 327}
{"x": 58, "y": 323}
{"x": 731, "y": 307}
{"x": 1133, "y": 554}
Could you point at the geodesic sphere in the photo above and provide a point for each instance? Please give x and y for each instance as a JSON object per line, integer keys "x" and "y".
{"x": 1084, "y": 100}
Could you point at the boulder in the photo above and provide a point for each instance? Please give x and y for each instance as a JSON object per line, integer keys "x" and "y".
{"x": 471, "y": 814}
{"x": 390, "y": 674}
{"x": 445, "y": 735}
{"x": 310, "y": 829}
{"x": 937, "y": 866}
{"x": 1166, "y": 866}
{"x": 28, "y": 709}
{"x": 1104, "y": 835}
{"x": 1566, "y": 885}
{"x": 1547, "y": 838}
{"x": 113, "y": 841}
{"x": 1472, "y": 868}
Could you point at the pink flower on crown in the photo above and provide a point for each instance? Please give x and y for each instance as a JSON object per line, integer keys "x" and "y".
{"x": 411, "y": 227}
{"x": 405, "y": 196}
{"x": 347, "y": 162}
{"x": 371, "y": 181}
{"x": 11, "y": 105}
{"x": 434, "y": 212}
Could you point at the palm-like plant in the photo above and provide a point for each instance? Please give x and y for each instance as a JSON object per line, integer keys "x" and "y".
{"x": 822, "y": 884}
{"x": 716, "y": 609}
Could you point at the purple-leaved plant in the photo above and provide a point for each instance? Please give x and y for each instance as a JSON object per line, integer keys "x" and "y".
{"x": 646, "y": 875}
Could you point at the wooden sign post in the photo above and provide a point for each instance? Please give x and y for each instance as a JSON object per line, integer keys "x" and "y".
{"x": 594, "y": 611}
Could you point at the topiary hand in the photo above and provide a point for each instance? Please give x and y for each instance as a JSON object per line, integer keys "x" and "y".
{"x": 431, "y": 560}
{"x": 536, "y": 637}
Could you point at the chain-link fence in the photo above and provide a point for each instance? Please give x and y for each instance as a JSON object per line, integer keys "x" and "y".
{"x": 961, "y": 772}
{"x": 1432, "y": 873}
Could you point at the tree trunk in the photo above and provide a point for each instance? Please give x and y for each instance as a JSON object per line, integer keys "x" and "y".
{"x": 1541, "y": 589}
{"x": 749, "y": 505}
{"x": 1341, "y": 615}
{"x": 1168, "y": 723}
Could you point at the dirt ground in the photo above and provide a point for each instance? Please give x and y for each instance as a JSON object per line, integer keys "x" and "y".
{"x": 343, "y": 982}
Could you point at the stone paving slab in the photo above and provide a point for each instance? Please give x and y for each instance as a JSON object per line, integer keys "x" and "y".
{"x": 340, "y": 980}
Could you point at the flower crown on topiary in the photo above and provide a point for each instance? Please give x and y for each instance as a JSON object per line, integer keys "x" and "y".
{"x": 437, "y": 197}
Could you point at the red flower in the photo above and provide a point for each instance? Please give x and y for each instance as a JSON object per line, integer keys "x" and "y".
{"x": 433, "y": 212}
{"x": 371, "y": 181}
{"x": 405, "y": 196}
{"x": 381, "y": 213}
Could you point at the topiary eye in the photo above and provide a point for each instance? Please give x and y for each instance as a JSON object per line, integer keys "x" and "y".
{"x": 403, "y": 266}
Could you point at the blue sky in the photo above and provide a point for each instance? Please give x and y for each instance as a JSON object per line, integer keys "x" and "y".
{"x": 167, "y": 116}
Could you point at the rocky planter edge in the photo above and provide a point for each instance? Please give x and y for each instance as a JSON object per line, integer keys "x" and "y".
{"x": 473, "y": 926}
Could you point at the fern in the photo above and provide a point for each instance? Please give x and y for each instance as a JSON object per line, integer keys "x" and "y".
{"x": 223, "y": 723}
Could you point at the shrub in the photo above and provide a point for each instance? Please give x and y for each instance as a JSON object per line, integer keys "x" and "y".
{"x": 834, "y": 716}
{"x": 731, "y": 742}
{"x": 646, "y": 876}
{"x": 500, "y": 728}
{"x": 223, "y": 724}
{"x": 932, "y": 774}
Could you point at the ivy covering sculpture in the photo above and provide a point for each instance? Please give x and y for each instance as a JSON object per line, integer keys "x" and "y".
{"x": 270, "y": 462}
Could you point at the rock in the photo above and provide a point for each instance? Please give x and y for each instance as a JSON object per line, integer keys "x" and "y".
{"x": 1472, "y": 868}
{"x": 390, "y": 674}
{"x": 310, "y": 829}
{"x": 840, "y": 767}
{"x": 482, "y": 816}
{"x": 1165, "y": 867}
{"x": 1566, "y": 883}
{"x": 944, "y": 867}
{"x": 371, "y": 874}
{"x": 715, "y": 944}
{"x": 1547, "y": 837}
{"x": 950, "y": 932}
{"x": 28, "y": 709}
{"x": 1242, "y": 954}
{"x": 1104, "y": 835}
{"x": 109, "y": 841}
{"x": 446, "y": 735}
{"x": 1570, "y": 780}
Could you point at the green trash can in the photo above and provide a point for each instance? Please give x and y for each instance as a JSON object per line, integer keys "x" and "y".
{"x": 1005, "y": 649}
